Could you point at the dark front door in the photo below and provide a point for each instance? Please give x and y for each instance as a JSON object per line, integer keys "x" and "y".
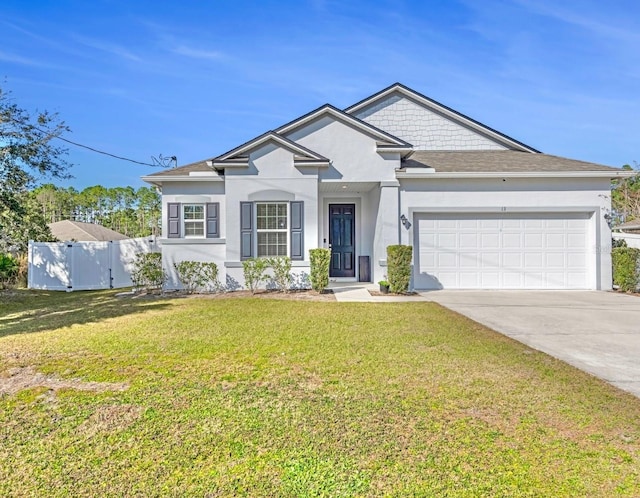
{"x": 342, "y": 230}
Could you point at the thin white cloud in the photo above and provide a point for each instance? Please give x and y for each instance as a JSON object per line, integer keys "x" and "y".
{"x": 599, "y": 26}
{"x": 110, "y": 48}
{"x": 18, "y": 59}
{"x": 197, "y": 53}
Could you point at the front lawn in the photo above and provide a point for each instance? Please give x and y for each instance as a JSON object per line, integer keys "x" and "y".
{"x": 260, "y": 397}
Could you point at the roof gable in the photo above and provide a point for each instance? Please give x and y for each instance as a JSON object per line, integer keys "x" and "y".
{"x": 397, "y": 89}
{"x": 240, "y": 155}
{"x": 385, "y": 141}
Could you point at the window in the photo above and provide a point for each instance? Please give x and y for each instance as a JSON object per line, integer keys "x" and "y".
{"x": 193, "y": 218}
{"x": 272, "y": 228}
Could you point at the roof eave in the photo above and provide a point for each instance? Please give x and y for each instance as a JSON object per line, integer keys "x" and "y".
{"x": 511, "y": 174}
{"x": 158, "y": 180}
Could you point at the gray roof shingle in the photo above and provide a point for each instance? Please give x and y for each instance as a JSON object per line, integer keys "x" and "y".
{"x": 499, "y": 161}
{"x": 83, "y": 232}
{"x": 184, "y": 170}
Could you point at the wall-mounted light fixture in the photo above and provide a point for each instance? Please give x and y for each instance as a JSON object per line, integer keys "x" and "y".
{"x": 405, "y": 222}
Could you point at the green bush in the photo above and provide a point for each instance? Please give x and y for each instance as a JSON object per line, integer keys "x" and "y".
{"x": 9, "y": 267}
{"x": 255, "y": 272}
{"x": 196, "y": 275}
{"x": 319, "y": 268}
{"x": 399, "y": 268}
{"x": 626, "y": 274}
{"x": 147, "y": 271}
{"x": 281, "y": 267}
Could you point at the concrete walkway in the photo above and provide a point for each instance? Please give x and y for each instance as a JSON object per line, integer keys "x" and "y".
{"x": 359, "y": 293}
{"x": 598, "y": 332}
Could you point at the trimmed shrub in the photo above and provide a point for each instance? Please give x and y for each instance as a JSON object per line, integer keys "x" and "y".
{"x": 9, "y": 268}
{"x": 196, "y": 275}
{"x": 399, "y": 268}
{"x": 147, "y": 271}
{"x": 319, "y": 268}
{"x": 281, "y": 267}
{"x": 254, "y": 272}
{"x": 626, "y": 271}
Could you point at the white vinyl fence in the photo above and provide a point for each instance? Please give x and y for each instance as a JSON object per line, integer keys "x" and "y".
{"x": 71, "y": 266}
{"x": 632, "y": 239}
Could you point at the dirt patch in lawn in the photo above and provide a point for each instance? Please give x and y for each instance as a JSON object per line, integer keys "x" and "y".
{"x": 20, "y": 378}
{"x": 110, "y": 418}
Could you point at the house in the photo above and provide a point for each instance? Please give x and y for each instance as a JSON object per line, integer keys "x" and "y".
{"x": 67, "y": 230}
{"x": 481, "y": 209}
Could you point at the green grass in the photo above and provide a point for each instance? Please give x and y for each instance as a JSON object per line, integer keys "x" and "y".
{"x": 263, "y": 397}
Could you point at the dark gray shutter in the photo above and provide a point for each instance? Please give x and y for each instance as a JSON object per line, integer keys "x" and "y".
{"x": 297, "y": 230}
{"x": 173, "y": 220}
{"x": 246, "y": 230}
{"x": 213, "y": 220}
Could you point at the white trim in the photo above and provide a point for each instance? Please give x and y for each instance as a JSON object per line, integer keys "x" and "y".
{"x": 285, "y": 230}
{"x": 157, "y": 180}
{"x": 283, "y": 141}
{"x": 191, "y": 240}
{"x": 515, "y": 174}
{"x": 342, "y": 116}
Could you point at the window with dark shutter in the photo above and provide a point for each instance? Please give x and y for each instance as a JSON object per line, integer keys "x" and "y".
{"x": 246, "y": 230}
{"x": 297, "y": 230}
{"x": 173, "y": 220}
{"x": 213, "y": 220}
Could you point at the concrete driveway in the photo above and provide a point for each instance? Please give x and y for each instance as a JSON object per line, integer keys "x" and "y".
{"x": 598, "y": 332}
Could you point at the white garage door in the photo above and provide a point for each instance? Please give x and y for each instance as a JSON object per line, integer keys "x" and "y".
{"x": 502, "y": 251}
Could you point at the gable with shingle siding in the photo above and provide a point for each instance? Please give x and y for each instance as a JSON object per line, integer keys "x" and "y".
{"x": 422, "y": 127}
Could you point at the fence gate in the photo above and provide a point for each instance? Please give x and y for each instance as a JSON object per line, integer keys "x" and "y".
{"x": 71, "y": 266}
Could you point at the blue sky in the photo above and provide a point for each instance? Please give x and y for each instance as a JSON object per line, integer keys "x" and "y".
{"x": 195, "y": 79}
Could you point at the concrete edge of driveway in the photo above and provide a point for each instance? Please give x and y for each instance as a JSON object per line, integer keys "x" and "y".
{"x": 595, "y": 331}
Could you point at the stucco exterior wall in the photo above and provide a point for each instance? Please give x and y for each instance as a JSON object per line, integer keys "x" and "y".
{"x": 195, "y": 192}
{"x": 423, "y": 128}
{"x": 518, "y": 195}
{"x": 353, "y": 154}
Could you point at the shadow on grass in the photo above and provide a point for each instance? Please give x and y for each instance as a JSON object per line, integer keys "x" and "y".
{"x": 25, "y": 311}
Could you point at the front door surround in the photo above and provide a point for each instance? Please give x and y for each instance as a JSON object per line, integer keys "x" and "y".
{"x": 342, "y": 240}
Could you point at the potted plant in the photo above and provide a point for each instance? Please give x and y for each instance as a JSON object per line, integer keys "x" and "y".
{"x": 384, "y": 286}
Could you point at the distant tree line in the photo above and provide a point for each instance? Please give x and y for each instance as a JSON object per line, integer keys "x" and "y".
{"x": 134, "y": 213}
{"x": 625, "y": 197}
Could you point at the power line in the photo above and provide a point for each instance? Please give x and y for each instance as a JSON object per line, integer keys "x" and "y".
{"x": 161, "y": 162}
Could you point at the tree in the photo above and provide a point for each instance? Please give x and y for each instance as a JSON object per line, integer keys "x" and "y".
{"x": 625, "y": 197}
{"x": 27, "y": 154}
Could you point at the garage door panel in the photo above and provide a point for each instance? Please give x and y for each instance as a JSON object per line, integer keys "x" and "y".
{"x": 512, "y": 260}
{"x": 468, "y": 280}
{"x": 489, "y": 280}
{"x": 489, "y": 240}
{"x": 489, "y": 260}
{"x": 468, "y": 260}
{"x": 468, "y": 240}
{"x": 554, "y": 260}
{"x": 490, "y": 223}
{"x": 533, "y": 260}
{"x": 447, "y": 240}
{"x": 576, "y": 261}
{"x": 576, "y": 241}
{"x": 511, "y": 240}
{"x": 533, "y": 240}
{"x": 447, "y": 260}
{"x": 510, "y": 251}
{"x": 512, "y": 280}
